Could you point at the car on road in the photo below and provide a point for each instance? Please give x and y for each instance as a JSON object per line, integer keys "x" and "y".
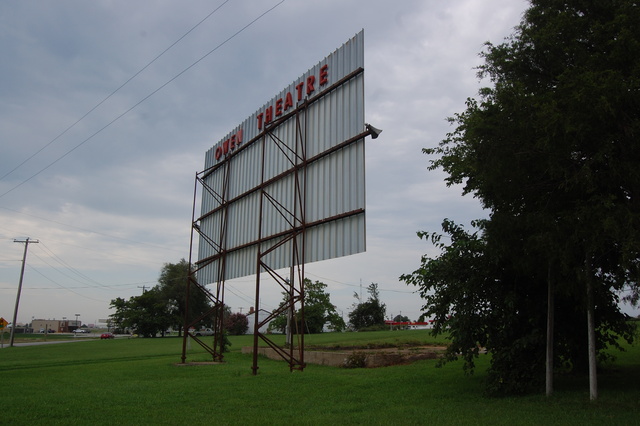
{"x": 107, "y": 336}
{"x": 80, "y": 330}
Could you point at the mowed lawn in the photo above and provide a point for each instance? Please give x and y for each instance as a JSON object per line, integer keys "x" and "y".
{"x": 137, "y": 382}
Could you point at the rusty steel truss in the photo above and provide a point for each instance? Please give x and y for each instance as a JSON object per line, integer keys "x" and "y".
{"x": 292, "y": 239}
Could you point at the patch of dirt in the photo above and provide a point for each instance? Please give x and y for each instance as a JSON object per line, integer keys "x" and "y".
{"x": 360, "y": 356}
{"x": 372, "y": 357}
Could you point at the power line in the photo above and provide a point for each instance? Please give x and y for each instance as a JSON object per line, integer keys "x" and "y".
{"x": 113, "y": 92}
{"x": 141, "y": 101}
{"x": 91, "y": 231}
{"x": 250, "y": 300}
{"x": 90, "y": 282}
{"x": 359, "y": 285}
{"x": 87, "y": 279}
{"x": 111, "y": 286}
{"x": 61, "y": 286}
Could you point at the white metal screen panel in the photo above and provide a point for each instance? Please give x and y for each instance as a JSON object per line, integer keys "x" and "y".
{"x": 329, "y": 99}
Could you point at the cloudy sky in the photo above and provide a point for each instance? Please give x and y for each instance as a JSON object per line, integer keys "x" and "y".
{"x": 107, "y": 109}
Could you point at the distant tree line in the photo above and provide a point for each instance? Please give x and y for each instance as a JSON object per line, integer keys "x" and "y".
{"x": 321, "y": 315}
{"x": 163, "y": 307}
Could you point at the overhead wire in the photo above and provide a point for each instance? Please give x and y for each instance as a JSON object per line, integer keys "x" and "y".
{"x": 85, "y": 278}
{"x": 358, "y": 285}
{"x": 66, "y": 265}
{"x": 164, "y": 247}
{"x": 86, "y": 285}
{"x": 55, "y": 269}
{"x": 114, "y": 91}
{"x": 132, "y": 285}
{"x": 141, "y": 101}
{"x": 34, "y": 269}
{"x": 244, "y": 297}
{"x": 249, "y": 299}
{"x": 87, "y": 281}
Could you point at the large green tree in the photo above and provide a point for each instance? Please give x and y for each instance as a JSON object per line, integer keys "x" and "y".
{"x": 172, "y": 284}
{"x": 551, "y": 150}
{"x": 318, "y": 312}
{"x": 146, "y": 315}
{"x": 163, "y": 306}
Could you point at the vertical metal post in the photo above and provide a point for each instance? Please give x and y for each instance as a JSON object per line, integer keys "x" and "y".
{"x": 591, "y": 332}
{"x": 256, "y": 324}
{"x": 187, "y": 296}
{"x": 550, "y": 326}
{"x": 15, "y": 311}
{"x": 291, "y": 310}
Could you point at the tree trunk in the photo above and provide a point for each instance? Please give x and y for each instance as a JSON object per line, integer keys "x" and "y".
{"x": 550, "y": 317}
{"x": 593, "y": 374}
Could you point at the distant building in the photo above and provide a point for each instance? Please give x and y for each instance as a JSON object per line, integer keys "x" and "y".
{"x": 57, "y": 326}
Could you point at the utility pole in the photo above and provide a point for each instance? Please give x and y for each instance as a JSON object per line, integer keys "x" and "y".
{"x": 144, "y": 289}
{"x": 15, "y": 311}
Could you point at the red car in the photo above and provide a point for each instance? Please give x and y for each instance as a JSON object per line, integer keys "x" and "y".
{"x": 107, "y": 336}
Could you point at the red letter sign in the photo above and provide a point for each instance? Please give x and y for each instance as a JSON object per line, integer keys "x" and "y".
{"x": 324, "y": 74}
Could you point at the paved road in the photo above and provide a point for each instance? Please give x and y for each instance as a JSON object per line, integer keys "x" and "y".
{"x": 48, "y": 342}
{"x": 72, "y": 339}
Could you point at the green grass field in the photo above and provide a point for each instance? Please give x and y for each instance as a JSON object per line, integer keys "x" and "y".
{"x": 136, "y": 381}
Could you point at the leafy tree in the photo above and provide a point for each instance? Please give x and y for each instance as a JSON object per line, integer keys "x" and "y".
{"x": 551, "y": 151}
{"x": 401, "y": 318}
{"x": 162, "y": 307}
{"x": 146, "y": 314}
{"x": 483, "y": 302}
{"x": 237, "y": 324}
{"x": 318, "y": 311}
{"x": 172, "y": 284}
{"x": 226, "y": 317}
{"x": 369, "y": 313}
{"x": 118, "y": 318}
